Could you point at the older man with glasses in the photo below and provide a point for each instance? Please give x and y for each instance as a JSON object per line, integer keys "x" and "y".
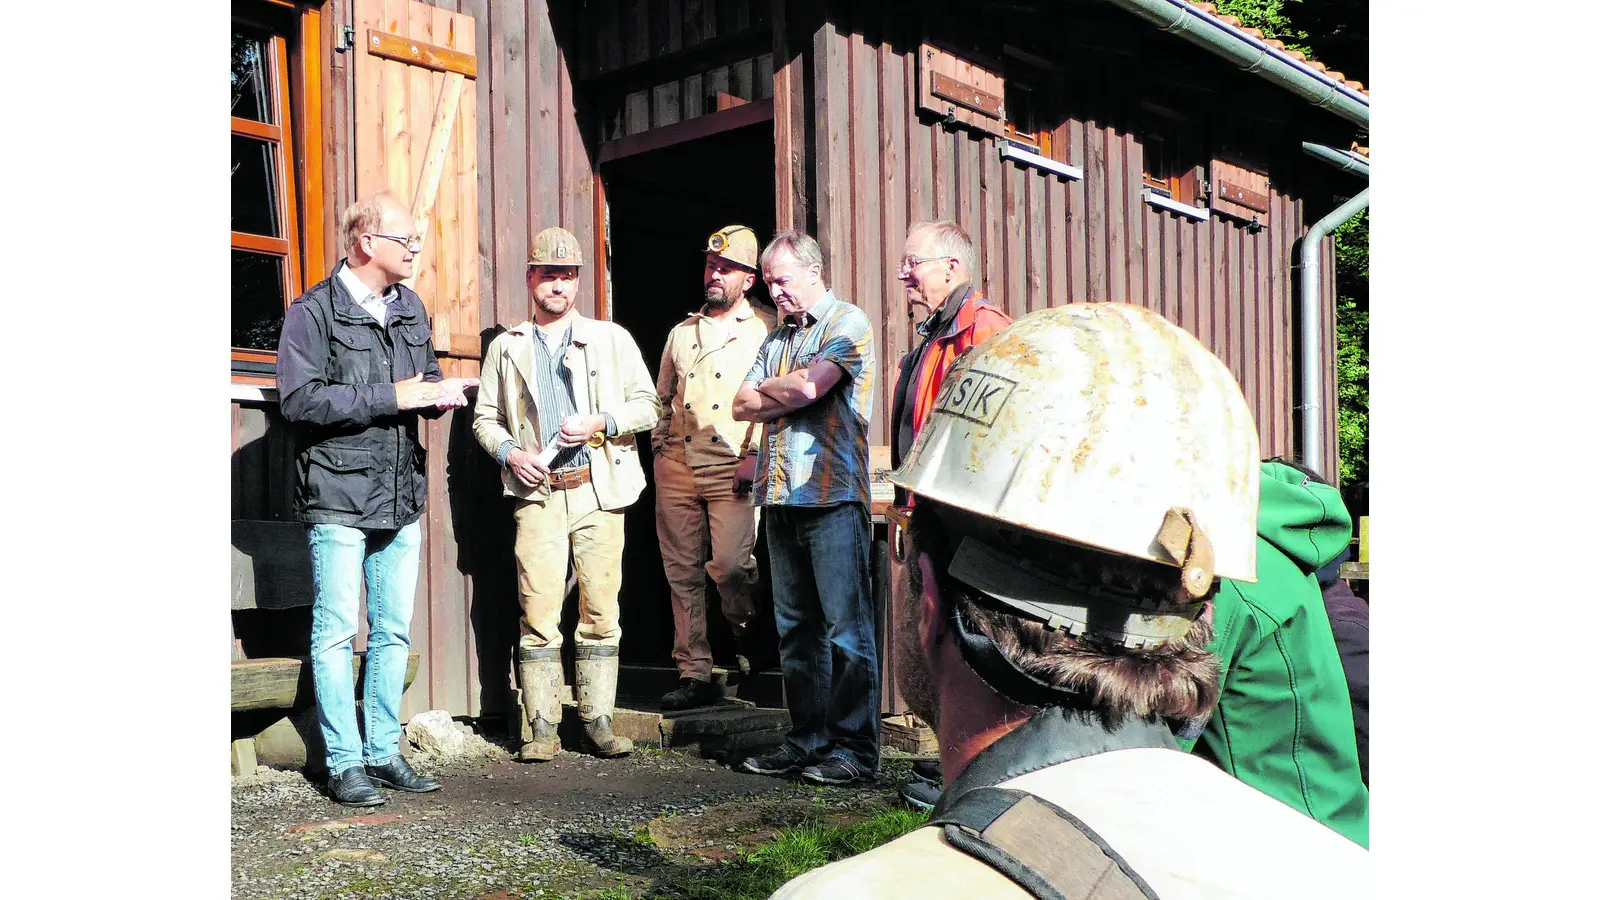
{"x": 355, "y": 369}
{"x": 936, "y": 269}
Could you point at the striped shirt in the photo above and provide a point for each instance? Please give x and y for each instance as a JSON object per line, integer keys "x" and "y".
{"x": 817, "y": 456}
{"x": 555, "y": 400}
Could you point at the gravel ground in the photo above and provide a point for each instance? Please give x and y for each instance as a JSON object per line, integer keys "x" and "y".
{"x": 574, "y": 827}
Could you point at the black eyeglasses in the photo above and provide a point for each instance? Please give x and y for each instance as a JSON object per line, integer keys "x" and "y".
{"x": 413, "y": 243}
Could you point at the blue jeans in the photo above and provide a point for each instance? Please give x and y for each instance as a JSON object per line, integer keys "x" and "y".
{"x": 827, "y": 627}
{"x": 389, "y": 558}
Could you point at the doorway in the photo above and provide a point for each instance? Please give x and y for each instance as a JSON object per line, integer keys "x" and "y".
{"x": 664, "y": 204}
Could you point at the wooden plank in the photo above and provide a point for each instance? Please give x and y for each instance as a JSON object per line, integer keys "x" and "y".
{"x": 742, "y": 79}
{"x": 338, "y": 144}
{"x": 991, "y": 216}
{"x": 694, "y": 97}
{"x": 422, "y": 93}
{"x": 706, "y": 125}
{"x": 763, "y": 77}
{"x": 441, "y": 224}
{"x": 1058, "y": 226}
{"x": 508, "y": 168}
{"x": 308, "y": 112}
{"x": 1117, "y": 213}
{"x": 832, "y": 103}
{"x": 664, "y": 104}
{"x": 259, "y": 243}
{"x": 636, "y": 113}
{"x": 368, "y": 92}
{"x": 285, "y": 682}
{"x": 467, "y": 302}
{"x": 404, "y": 49}
{"x": 1016, "y": 240}
{"x": 635, "y": 32}
{"x": 919, "y": 149}
{"x": 869, "y": 290}
{"x": 1097, "y": 252}
{"x": 576, "y": 188}
{"x": 1170, "y": 229}
{"x": 693, "y": 22}
{"x": 253, "y": 129}
{"x": 1038, "y": 258}
{"x": 789, "y": 125}
{"x": 942, "y": 144}
{"x": 426, "y": 193}
{"x": 545, "y": 114}
{"x": 967, "y": 165}
{"x": 894, "y": 333}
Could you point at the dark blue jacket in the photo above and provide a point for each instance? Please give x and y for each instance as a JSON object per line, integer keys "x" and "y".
{"x": 359, "y": 462}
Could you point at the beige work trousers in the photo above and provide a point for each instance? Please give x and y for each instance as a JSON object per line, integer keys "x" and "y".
{"x": 571, "y": 520}
{"x": 689, "y": 504}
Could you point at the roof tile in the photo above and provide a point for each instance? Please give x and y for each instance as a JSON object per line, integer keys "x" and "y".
{"x": 1211, "y": 9}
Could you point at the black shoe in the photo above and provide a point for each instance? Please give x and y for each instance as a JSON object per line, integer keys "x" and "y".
{"x": 919, "y": 795}
{"x": 780, "y": 760}
{"x": 835, "y": 770}
{"x": 928, "y": 772}
{"x": 352, "y": 788}
{"x": 401, "y": 777}
{"x": 691, "y": 692}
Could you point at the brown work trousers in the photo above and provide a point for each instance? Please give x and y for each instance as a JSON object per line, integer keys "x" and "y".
{"x": 570, "y": 521}
{"x": 689, "y": 504}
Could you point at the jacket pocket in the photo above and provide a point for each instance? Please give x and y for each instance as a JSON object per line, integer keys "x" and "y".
{"x": 417, "y": 338}
{"x": 339, "y": 479}
{"x": 352, "y": 347}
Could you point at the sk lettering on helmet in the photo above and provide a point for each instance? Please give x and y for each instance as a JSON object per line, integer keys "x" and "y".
{"x": 976, "y": 396}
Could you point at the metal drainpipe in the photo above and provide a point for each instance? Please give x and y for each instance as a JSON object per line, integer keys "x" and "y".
{"x": 1311, "y": 328}
{"x": 1252, "y": 55}
{"x": 1343, "y": 160}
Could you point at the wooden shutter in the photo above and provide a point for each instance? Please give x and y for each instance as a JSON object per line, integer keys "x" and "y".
{"x": 1240, "y": 192}
{"x": 949, "y": 85}
{"x": 416, "y": 135}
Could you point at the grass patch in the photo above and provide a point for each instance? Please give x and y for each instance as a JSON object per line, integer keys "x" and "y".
{"x": 759, "y": 872}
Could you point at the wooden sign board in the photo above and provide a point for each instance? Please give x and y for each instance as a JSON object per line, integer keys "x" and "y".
{"x": 950, "y": 86}
{"x": 1240, "y": 192}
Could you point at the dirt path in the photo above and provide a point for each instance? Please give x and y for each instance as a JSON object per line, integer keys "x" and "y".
{"x": 575, "y": 827}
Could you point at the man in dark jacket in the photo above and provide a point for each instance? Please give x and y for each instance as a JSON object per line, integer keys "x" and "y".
{"x": 355, "y": 369}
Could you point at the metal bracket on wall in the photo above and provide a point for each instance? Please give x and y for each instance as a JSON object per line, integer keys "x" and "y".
{"x": 347, "y": 38}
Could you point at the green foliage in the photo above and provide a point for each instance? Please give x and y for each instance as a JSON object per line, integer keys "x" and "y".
{"x": 1350, "y": 335}
{"x": 1271, "y": 16}
{"x": 760, "y": 872}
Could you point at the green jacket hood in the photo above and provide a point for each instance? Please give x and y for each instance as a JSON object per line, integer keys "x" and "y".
{"x": 1306, "y": 520}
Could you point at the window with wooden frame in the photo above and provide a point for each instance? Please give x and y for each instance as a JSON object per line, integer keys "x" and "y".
{"x": 276, "y": 220}
{"x": 1024, "y": 125}
{"x": 1173, "y": 150}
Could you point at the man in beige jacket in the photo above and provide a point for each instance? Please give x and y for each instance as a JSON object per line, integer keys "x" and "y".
{"x": 559, "y": 402}
{"x": 705, "y": 461}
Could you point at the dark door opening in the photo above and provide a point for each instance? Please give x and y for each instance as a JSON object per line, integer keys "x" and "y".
{"x": 664, "y": 204}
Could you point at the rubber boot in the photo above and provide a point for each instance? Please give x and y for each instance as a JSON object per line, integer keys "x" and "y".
{"x": 539, "y": 672}
{"x": 597, "y": 696}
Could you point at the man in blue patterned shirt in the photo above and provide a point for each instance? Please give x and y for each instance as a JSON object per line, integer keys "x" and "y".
{"x": 812, "y": 385}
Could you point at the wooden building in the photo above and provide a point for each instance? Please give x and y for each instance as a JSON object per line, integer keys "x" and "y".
{"x": 1092, "y": 156}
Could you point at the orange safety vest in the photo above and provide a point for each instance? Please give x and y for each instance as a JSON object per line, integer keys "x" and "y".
{"x": 975, "y": 322}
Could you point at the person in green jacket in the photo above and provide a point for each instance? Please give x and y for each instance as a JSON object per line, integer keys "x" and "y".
{"x": 1284, "y": 725}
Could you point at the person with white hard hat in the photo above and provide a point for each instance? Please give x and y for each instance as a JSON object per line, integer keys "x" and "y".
{"x": 1084, "y": 479}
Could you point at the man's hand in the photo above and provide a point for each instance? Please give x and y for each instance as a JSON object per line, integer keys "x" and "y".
{"x": 577, "y": 429}
{"x": 414, "y": 393}
{"x": 527, "y": 467}
{"x": 745, "y": 475}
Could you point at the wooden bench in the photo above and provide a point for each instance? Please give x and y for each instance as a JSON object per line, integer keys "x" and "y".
{"x": 285, "y": 682}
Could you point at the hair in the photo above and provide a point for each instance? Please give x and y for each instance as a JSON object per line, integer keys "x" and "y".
{"x": 1298, "y": 465}
{"x": 364, "y": 216}
{"x": 804, "y": 248}
{"x": 1179, "y": 680}
{"x": 949, "y": 239}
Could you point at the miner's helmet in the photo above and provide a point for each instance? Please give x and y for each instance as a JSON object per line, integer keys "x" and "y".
{"x": 555, "y": 247}
{"x": 1101, "y": 425}
{"x": 736, "y": 244}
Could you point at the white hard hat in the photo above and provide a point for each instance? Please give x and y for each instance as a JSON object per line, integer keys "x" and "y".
{"x": 1101, "y": 424}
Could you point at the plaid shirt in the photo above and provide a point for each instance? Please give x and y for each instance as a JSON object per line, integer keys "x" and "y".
{"x": 817, "y": 456}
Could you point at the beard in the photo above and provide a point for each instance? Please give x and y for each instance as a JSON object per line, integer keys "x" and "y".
{"x": 555, "y": 306}
{"x": 717, "y": 298}
{"x": 913, "y": 680}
